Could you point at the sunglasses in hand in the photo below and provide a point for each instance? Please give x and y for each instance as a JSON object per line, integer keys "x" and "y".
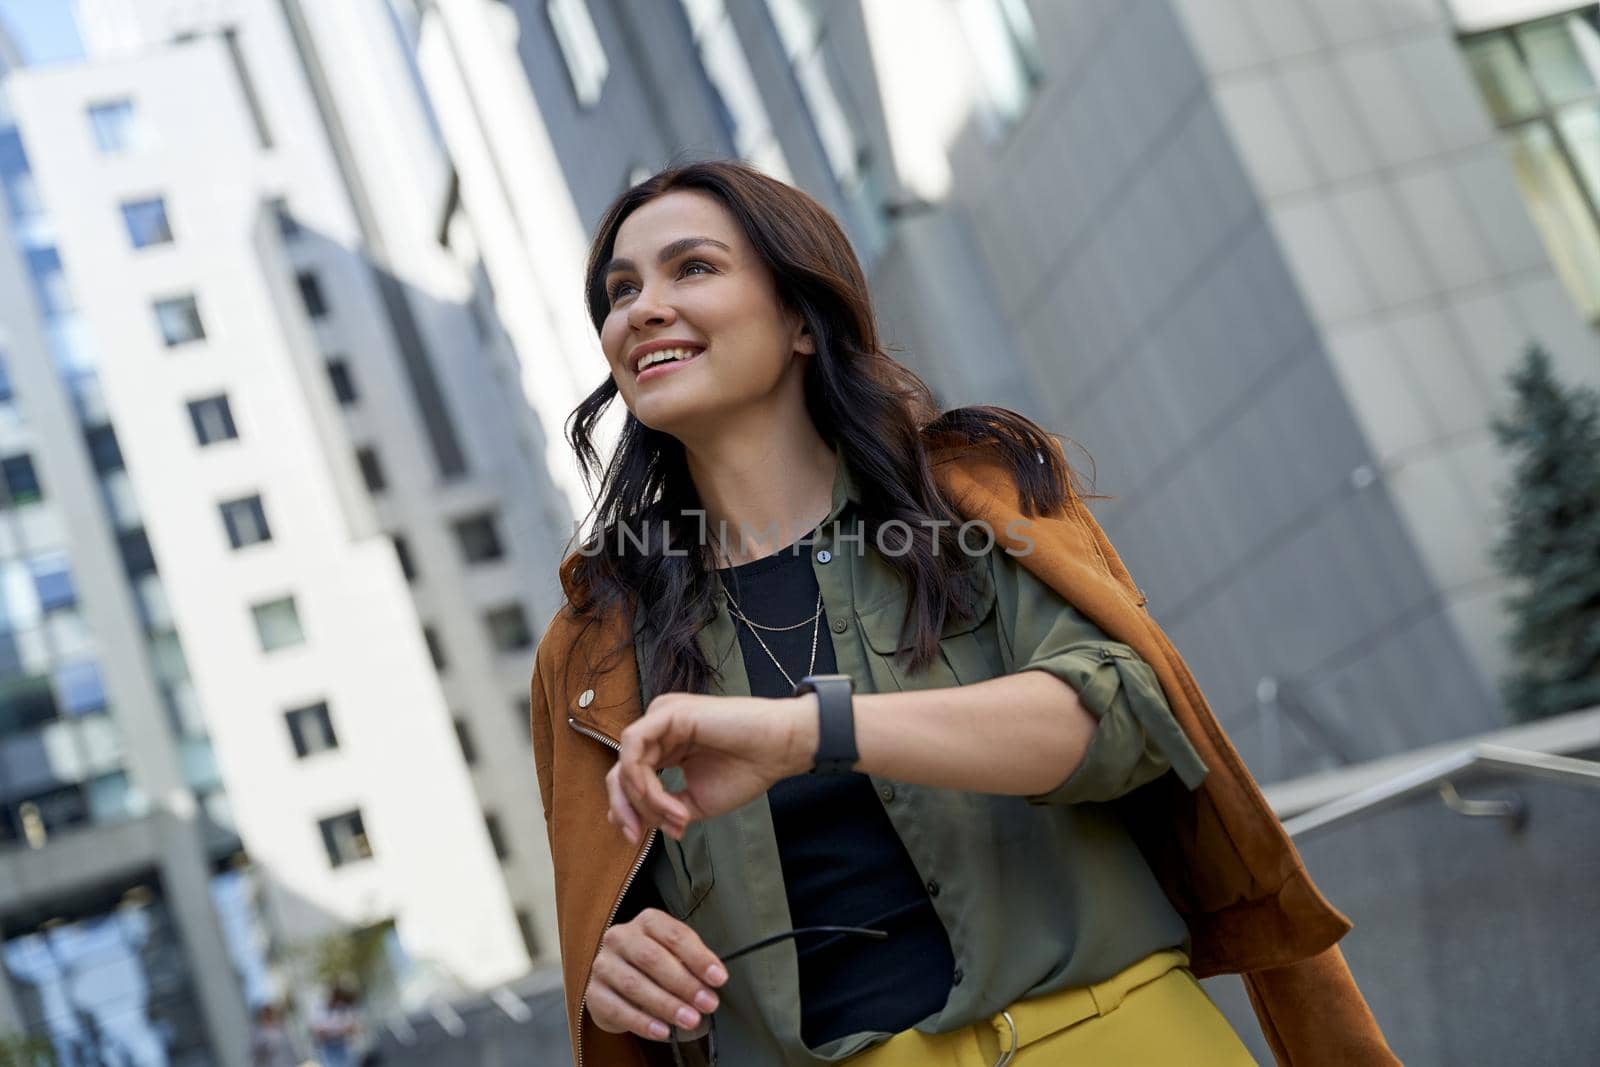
{"x": 765, "y": 942}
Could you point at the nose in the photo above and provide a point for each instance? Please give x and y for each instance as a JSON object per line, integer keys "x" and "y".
{"x": 648, "y": 310}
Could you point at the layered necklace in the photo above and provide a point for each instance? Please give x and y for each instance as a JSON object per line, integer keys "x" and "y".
{"x": 755, "y": 629}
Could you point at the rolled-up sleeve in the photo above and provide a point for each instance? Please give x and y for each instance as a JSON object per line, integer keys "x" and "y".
{"x": 1137, "y": 739}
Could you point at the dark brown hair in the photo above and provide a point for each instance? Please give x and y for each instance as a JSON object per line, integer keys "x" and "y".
{"x": 870, "y": 408}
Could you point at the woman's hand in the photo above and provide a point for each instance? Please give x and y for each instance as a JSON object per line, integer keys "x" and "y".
{"x": 731, "y": 749}
{"x": 652, "y": 973}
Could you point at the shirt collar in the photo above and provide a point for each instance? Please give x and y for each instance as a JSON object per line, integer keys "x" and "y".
{"x": 846, "y": 489}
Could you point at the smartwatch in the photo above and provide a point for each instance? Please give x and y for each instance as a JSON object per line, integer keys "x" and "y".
{"x": 836, "y": 724}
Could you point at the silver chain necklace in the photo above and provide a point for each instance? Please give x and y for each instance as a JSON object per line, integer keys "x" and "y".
{"x": 816, "y": 627}
{"x": 736, "y": 613}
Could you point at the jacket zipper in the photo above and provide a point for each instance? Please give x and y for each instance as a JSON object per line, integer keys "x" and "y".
{"x": 638, "y": 863}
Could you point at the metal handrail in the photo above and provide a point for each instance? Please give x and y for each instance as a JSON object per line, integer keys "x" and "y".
{"x": 1439, "y": 775}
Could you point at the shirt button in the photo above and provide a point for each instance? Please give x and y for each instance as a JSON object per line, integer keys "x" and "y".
{"x": 933, "y": 888}
{"x": 840, "y": 625}
{"x": 955, "y": 979}
{"x": 586, "y": 698}
{"x": 824, "y": 556}
{"x": 886, "y": 792}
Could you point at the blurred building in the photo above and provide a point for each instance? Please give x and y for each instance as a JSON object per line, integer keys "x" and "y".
{"x": 275, "y": 524}
{"x": 1268, "y": 261}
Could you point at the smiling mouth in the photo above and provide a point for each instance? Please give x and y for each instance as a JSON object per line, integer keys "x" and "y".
{"x": 659, "y": 362}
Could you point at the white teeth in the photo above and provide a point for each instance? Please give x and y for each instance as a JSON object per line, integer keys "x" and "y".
{"x": 665, "y": 355}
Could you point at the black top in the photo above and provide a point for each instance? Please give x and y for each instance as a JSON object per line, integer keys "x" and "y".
{"x": 843, "y": 862}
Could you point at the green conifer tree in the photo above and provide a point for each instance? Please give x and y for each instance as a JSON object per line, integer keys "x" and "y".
{"x": 1551, "y": 543}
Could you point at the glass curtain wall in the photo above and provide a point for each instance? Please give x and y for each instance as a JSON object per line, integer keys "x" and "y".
{"x": 1541, "y": 82}
{"x": 103, "y": 980}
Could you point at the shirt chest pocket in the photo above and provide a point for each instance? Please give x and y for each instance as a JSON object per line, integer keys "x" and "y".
{"x": 969, "y": 649}
{"x": 690, "y": 859}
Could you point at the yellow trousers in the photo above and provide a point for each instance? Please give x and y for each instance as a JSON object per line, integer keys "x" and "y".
{"x": 1153, "y": 1013}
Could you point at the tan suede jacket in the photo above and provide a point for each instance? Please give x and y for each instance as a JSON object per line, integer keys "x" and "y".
{"x": 1220, "y": 853}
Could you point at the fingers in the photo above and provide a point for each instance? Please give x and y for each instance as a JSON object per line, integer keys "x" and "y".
{"x": 622, "y": 997}
{"x": 614, "y": 1014}
{"x": 619, "y": 812}
{"x": 653, "y": 972}
{"x": 685, "y": 945}
{"x": 638, "y": 759}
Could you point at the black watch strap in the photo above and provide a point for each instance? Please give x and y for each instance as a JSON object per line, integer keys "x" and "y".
{"x": 836, "y": 724}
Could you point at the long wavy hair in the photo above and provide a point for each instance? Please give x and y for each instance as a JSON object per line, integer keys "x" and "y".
{"x": 870, "y": 408}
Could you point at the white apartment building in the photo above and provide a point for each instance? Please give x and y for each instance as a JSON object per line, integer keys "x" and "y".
{"x": 276, "y": 532}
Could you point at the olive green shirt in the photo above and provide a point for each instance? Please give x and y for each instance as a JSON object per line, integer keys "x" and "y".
{"x": 1036, "y": 893}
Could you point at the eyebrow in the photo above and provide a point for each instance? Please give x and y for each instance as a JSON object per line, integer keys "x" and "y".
{"x": 669, "y": 251}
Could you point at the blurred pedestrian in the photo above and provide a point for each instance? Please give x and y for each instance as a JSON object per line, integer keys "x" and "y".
{"x": 270, "y": 1044}
{"x": 337, "y": 1029}
{"x": 952, "y": 874}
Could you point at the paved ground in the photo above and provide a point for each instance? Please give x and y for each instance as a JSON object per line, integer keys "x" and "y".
{"x": 490, "y": 1037}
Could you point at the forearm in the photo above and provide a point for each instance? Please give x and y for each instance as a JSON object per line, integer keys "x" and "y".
{"x": 1019, "y": 734}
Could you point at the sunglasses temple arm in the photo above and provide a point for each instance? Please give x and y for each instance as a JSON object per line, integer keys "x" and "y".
{"x": 876, "y": 935}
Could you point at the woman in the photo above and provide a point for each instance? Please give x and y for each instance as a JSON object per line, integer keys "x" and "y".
{"x": 778, "y": 527}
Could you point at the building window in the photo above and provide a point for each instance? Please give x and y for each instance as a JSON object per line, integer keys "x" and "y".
{"x": 278, "y": 624}
{"x": 508, "y": 628}
{"x": 1005, "y": 47}
{"x": 103, "y": 449}
{"x": 43, "y": 814}
{"x": 115, "y": 126}
{"x": 288, "y": 225}
{"x": 79, "y": 688}
{"x": 49, "y": 281}
{"x": 73, "y": 348}
{"x": 246, "y": 521}
{"x": 311, "y": 294}
{"x": 21, "y": 482}
{"x": 311, "y": 729}
{"x": 371, "y": 469}
{"x": 530, "y": 939}
{"x": 738, "y": 100}
{"x": 479, "y": 538}
{"x": 213, "y": 420}
{"x": 497, "y": 836}
{"x": 1541, "y": 82}
{"x": 21, "y": 190}
{"x": 5, "y": 384}
{"x": 52, "y": 581}
{"x": 137, "y": 557}
{"x": 435, "y": 644}
{"x": 800, "y": 28}
{"x": 402, "y": 552}
{"x": 345, "y": 838}
{"x": 179, "y": 320}
{"x": 579, "y": 41}
{"x": 147, "y": 222}
{"x": 344, "y": 386}
{"x": 26, "y": 701}
{"x": 469, "y": 751}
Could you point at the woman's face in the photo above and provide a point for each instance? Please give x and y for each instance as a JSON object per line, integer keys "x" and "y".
{"x": 684, "y": 277}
